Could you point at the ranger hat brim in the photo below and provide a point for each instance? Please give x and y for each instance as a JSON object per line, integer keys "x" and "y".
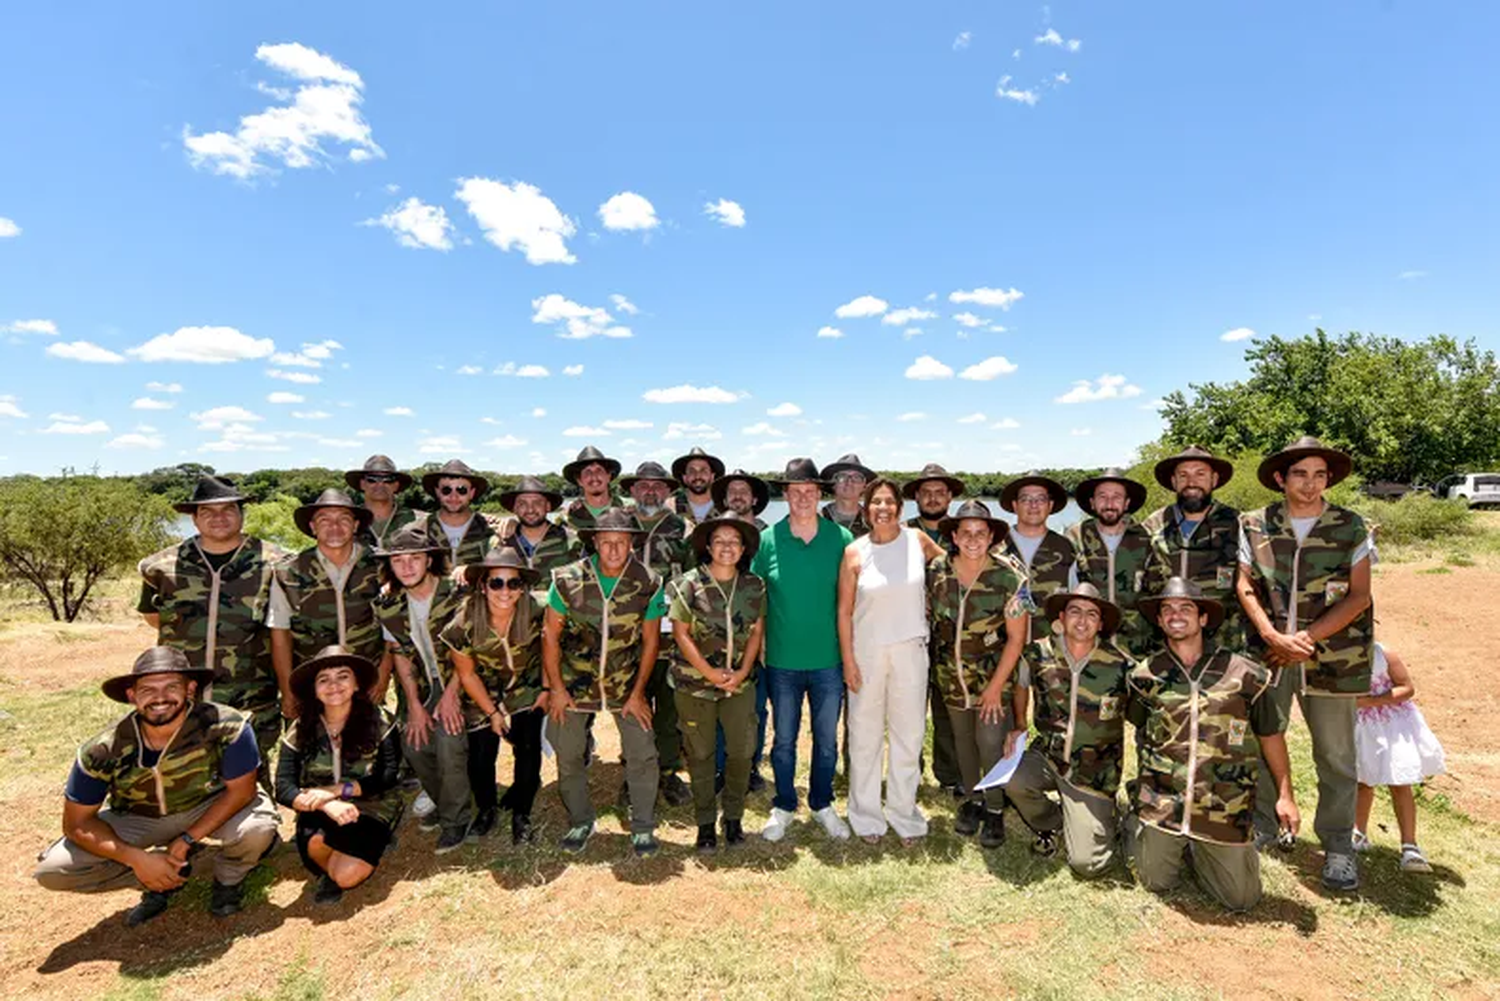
{"x": 704, "y": 531}
{"x": 586, "y": 458}
{"x": 759, "y": 488}
{"x": 330, "y": 499}
{"x": 1339, "y": 463}
{"x": 530, "y": 485}
{"x": 974, "y": 510}
{"x": 500, "y": 557}
{"x": 380, "y": 465}
{"x": 800, "y": 470}
{"x": 156, "y": 660}
{"x": 1164, "y": 469}
{"x": 847, "y": 464}
{"x": 211, "y": 490}
{"x": 410, "y": 538}
{"x": 932, "y": 471}
{"x": 1150, "y": 606}
{"x": 1054, "y": 490}
{"x": 455, "y": 469}
{"x": 611, "y": 519}
{"x": 1109, "y": 612}
{"x": 646, "y": 472}
{"x": 680, "y": 464}
{"x": 306, "y": 673}
{"x": 1135, "y": 492}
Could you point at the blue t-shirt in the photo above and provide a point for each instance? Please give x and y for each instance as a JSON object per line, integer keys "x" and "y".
{"x": 240, "y": 758}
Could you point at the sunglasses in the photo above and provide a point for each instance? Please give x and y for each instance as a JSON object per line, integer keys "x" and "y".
{"x": 849, "y": 478}
{"x": 461, "y": 491}
{"x": 379, "y": 478}
{"x": 505, "y": 584}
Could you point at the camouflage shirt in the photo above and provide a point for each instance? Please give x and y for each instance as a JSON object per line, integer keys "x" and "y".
{"x": 682, "y": 505}
{"x": 479, "y": 535}
{"x": 719, "y": 624}
{"x": 186, "y": 774}
{"x": 559, "y": 547}
{"x": 1208, "y": 558}
{"x": 324, "y": 765}
{"x": 1195, "y": 728}
{"x": 1298, "y": 581}
{"x": 577, "y": 516}
{"x": 857, "y": 527}
{"x": 968, "y": 626}
{"x": 945, "y": 542}
{"x": 1080, "y": 711}
{"x": 601, "y": 637}
{"x": 510, "y": 666}
{"x": 1045, "y": 576}
{"x": 393, "y": 609}
{"x": 379, "y": 531}
{"x": 1120, "y": 576}
{"x": 323, "y": 615}
{"x": 663, "y": 544}
{"x": 218, "y": 619}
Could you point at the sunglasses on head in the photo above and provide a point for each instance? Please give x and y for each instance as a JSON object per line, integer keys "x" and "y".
{"x": 379, "y": 478}
{"x": 462, "y": 491}
{"x": 505, "y": 584}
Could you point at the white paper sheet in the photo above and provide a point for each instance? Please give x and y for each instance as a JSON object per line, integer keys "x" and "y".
{"x": 1004, "y": 768}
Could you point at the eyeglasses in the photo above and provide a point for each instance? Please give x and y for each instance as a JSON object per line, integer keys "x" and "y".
{"x": 1033, "y": 501}
{"x": 849, "y": 478}
{"x": 505, "y": 584}
{"x": 380, "y": 478}
{"x": 461, "y": 491}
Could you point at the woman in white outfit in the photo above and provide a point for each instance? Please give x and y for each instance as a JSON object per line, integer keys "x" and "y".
{"x": 883, "y": 640}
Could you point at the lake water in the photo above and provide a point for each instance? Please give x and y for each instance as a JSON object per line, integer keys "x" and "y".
{"x": 776, "y": 510}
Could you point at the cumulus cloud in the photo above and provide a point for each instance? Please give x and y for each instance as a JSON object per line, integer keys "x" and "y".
{"x": 1020, "y": 95}
{"x": 697, "y": 432}
{"x": 149, "y": 403}
{"x": 575, "y": 321}
{"x": 623, "y": 304}
{"x": 902, "y": 317}
{"x": 470, "y": 370}
{"x": 518, "y": 216}
{"x": 1005, "y": 424}
{"x": 962, "y": 41}
{"x": 312, "y": 355}
{"x": 300, "y": 378}
{"x": 369, "y": 433}
{"x": 30, "y": 327}
{"x": 311, "y": 415}
{"x": 865, "y": 305}
{"x": 990, "y": 368}
{"x": 1051, "y": 37}
{"x": 1107, "y": 387}
{"x": 11, "y": 407}
{"x": 418, "y": 225}
{"x": 928, "y": 367}
{"x": 586, "y": 432}
{"x": 522, "y": 371}
{"x": 572, "y": 370}
{"x": 627, "y": 425}
{"x": 505, "y": 441}
{"x": 85, "y": 351}
{"x": 539, "y": 411}
{"x": 8, "y": 228}
{"x": 203, "y": 345}
{"x": 830, "y": 333}
{"x": 688, "y": 393}
{"x": 75, "y": 425}
{"x": 968, "y": 320}
{"x": 726, "y": 212}
{"x": 440, "y": 445}
{"x": 972, "y": 419}
{"x": 324, "y": 109}
{"x": 1002, "y": 298}
{"x": 1237, "y": 334}
{"x": 135, "y": 440}
{"x": 785, "y": 410}
{"x": 220, "y": 417}
{"x": 628, "y": 211}
{"x": 164, "y": 387}
{"x": 399, "y": 412}
{"x": 763, "y": 428}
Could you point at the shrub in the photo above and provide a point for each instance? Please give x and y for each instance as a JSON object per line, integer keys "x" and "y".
{"x": 1417, "y": 517}
{"x": 272, "y": 520}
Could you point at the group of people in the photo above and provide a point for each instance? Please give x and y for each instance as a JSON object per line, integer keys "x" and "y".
{"x": 403, "y": 647}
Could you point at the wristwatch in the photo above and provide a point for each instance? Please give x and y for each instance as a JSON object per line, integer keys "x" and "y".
{"x": 347, "y": 792}
{"x": 189, "y": 840}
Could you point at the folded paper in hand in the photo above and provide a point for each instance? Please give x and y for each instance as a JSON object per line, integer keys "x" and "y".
{"x": 1004, "y": 768}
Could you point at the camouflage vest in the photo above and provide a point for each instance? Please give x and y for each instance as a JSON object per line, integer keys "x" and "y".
{"x": 322, "y": 766}
{"x": 322, "y": 616}
{"x": 760, "y": 525}
{"x": 858, "y": 527}
{"x": 510, "y": 666}
{"x": 186, "y": 774}
{"x": 577, "y": 515}
{"x": 219, "y": 620}
{"x": 393, "y": 609}
{"x": 1080, "y": 716}
{"x": 1046, "y": 576}
{"x": 559, "y": 547}
{"x": 1120, "y": 577}
{"x": 968, "y": 626}
{"x": 719, "y": 618}
{"x": 378, "y": 532}
{"x": 682, "y": 505}
{"x": 663, "y": 546}
{"x": 1297, "y": 582}
{"x": 945, "y": 542}
{"x": 478, "y": 537}
{"x": 1209, "y": 558}
{"x": 601, "y": 638}
{"x": 1199, "y": 759}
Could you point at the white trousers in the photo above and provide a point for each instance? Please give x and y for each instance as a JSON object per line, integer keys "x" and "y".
{"x": 891, "y": 705}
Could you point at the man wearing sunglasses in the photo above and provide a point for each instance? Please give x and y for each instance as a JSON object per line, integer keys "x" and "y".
{"x": 1047, "y": 555}
{"x": 379, "y": 481}
{"x": 468, "y": 534}
{"x": 849, "y": 477}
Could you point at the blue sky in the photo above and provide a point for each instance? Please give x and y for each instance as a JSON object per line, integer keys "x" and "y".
{"x": 1035, "y": 220}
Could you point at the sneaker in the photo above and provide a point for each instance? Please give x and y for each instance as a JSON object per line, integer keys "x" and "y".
{"x": 423, "y": 807}
{"x": 1361, "y": 841}
{"x": 1412, "y": 859}
{"x": 775, "y": 828}
{"x": 970, "y": 814}
{"x": 734, "y": 833}
{"x": 484, "y": 823}
{"x": 577, "y": 838}
{"x": 708, "y": 839}
{"x": 1340, "y": 872}
{"x": 992, "y": 833}
{"x": 1045, "y": 844}
{"x": 224, "y": 901}
{"x": 645, "y": 844}
{"x": 152, "y": 905}
{"x": 832, "y": 823}
{"x": 757, "y": 781}
{"x": 521, "y": 831}
{"x": 674, "y": 790}
{"x": 451, "y": 839}
{"x": 327, "y": 891}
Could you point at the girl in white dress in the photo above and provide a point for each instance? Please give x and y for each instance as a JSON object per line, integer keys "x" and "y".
{"x": 1394, "y": 748}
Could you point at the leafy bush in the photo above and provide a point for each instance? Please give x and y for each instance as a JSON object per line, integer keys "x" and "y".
{"x": 272, "y": 520}
{"x": 1417, "y": 518}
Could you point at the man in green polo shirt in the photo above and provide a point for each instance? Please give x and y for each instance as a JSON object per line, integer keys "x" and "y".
{"x": 799, "y": 560}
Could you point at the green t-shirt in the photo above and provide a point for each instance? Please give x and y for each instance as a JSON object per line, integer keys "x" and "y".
{"x": 802, "y": 586}
{"x": 656, "y": 610}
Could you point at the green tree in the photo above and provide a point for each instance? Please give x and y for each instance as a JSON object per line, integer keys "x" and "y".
{"x": 60, "y": 536}
{"x": 272, "y": 520}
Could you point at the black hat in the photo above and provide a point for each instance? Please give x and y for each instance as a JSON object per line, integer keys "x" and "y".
{"x": 679, "y": 464}
{"x": 530, "y": 485}
{"x": 971, "y": 509}
{"x": 454, "y": 469}
{"x": 1109, "y": 612}
{"x": 1054, "y": 490}
{"x": 331, "y": 498}
{"x": 1135, "y": 493}
{"x": 847, "y": 464}
{"x": 588, "y": 457}
{"x": 301, "y": 681}
{"x": 720, "y": 490}
{"x": 648, "y": 471}
{"x": 801, "y": 470}
{"x": 500, "y": 556}
{"x": 611, "y": 519}
{"x": 410, "y": 538}
{"x": 932, "y": 471}
{"x": 704, "y": 531}
{"x": 156, "y": 660}
{"x": 211, "y": 490}
{"x": 380, "y": 464}
{"x": 1164, "y": 469}
{"x": 1339, "y": 463}
{"x": 1177, "y": 587}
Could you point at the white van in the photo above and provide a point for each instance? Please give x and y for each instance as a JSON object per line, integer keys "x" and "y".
{"x": 1474, "y": 489}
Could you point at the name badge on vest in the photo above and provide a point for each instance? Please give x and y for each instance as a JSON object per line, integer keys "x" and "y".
{"x": 1109, "y": 706}
{"x": 991, "y": 638}
{"x": 1237, "y": 728}
{"x": 1335, "y": 590}
{"x": 1140, "y": 580}
{"x": 1224, "y": 577}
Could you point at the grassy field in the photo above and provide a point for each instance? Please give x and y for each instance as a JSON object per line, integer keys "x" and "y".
{"x": 805, "y": 918}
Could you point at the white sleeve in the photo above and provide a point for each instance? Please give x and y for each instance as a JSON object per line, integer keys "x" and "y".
{"x": 279, "y": 612}
{"x": 1073, "y": 576}
{"x": 1245, "y": 556}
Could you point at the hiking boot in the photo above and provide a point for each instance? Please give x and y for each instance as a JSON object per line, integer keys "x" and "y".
{"x": 992, "y": 832}
{"x": 1045, "y": 844}
{"x": 152, "y": 905}
{"x": 645, "y": 845}
{"x": 327, "y": 892}
{"x": 521, "y": 831}
{"x": 833, "y": 825}
{"x": 451, "y": 839}
{"x": 224, "y": 901}
{"x": 577, "y": 838}
{"x": 734, "y": 833}
{"x": 1412, "y": 859}
{"x": 708, "y": 839}
{"x": 484, "y": 823}
{"x": 674, "y": 790}
{"x": 969, "y": 816}
{"x": 775, "y": 828}
{"x": 1340, "y": 872}
{"x": 757, "y": 781}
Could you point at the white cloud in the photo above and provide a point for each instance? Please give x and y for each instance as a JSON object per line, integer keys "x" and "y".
{"x": 785, "y": 410}
{"x": 518, "y": 216}
{"x": 1237, "y": 334}
{"x": 962, "y": 41}
{"x": 1051, "y": 37}
{"x": 203, "y": 345}
{"x": 300, "y": 378}
{"x": 911, "y": 332}
{"x": 147, "y": 403}
{"x": 522, "y": 371}
{"x": 1000, "y": 297}
{"x": 990, "y": 368}
{"x": 628, "y": 425}
{"x": 865, "y": 305}
{"x": 135, "y": 440}
{"x": 164, "y": 387}
{"x": 763, "y": 428}
{"x": 9, "y": 407}
{"x": 369, "y": 433}
{"x": 324, "y": 108}
{"x": 586, "y": 432}
{"x": 575, "y": 321}
{"x": 505, "y": 441}
{"x": 65, "y": 418}
{"x": 1025, "y": 96}
{"x": 440, "y": 445}
{"x": 1081, "y": 432}
{"x": 312, "y": 355}
{"x": 8, "y": 228}
{"x": 399, "y": 412}
{"x": 698, "y": 432}
{"x": 830, "y": 333}
{"x": 311, "y": 415}
{"x": 628, "y": 211}
{"x": 470, "y": 370}
{"x": 968, "y": 320}
{"x": 30, "y": 327}
{"x": 1005, "y": 424}
{"x": 417, "y": 225}
{"x": 76, "y": 425}
{"x": 220, "y": 417}
{"x": 972, "y": 419}
{"x": 539, "y": 411}
{"x": 903, "y": 317}
{"x": 85, "y": 351}
{"x": 928, "y": 367}
{"x": 687, "y": 393}
{"x": 623, "y": 304}
{"x": 1108, "y": 387}
{"x": 572, "y": 370}
{"x": 1154, "y": 405}
{"x": 727, "y": 212}
{"x": 1062, "y": 78}
{"x": 913, "y": 415}
{"x": 283, "y": 397}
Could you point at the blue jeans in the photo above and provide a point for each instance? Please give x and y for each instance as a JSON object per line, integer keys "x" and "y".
{"x": 762, "y": 704}
{"x": 824, "y": 689}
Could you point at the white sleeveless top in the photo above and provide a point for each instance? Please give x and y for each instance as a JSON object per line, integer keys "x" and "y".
{"x": 890, "y": 598}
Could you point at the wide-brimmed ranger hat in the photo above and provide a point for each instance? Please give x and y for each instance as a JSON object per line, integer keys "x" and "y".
{"x": 1193, "y": 453}
{"x": 971, "y": 510}
{"x": 759, "y": 488}
{"x": 380, "y": 465}
{"x": 800, "y": 470}
{"x": 680, "y": 464}
{"x": 1054, "y": 489}
{"x": 1135, "y": 492}
{"x": 410, "y": 538}
{"x": 611, "y": 519}
{"x": 455, "y": 469}
{"x": 704, "y": 531}
{"x": 530, "y": 485}
{"x": 1109, "y": 612}
{"x": 933, "y": 471}
{"x": 587, "y": 457}
{"x": 306, "y": 673}
{"x": 848, "y": 463}
{"x": 211, "y": 490}
{"x": 500, "y": 558}
{"x": 1339, "y": 463}
{"x": 155, "y": 660}
{"x": 649, "y": 471}
{"x": 1177, "y": 587}
{"x": 330, "y": 499}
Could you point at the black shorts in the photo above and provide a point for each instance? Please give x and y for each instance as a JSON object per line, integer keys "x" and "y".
{"x": 366, "y": 839}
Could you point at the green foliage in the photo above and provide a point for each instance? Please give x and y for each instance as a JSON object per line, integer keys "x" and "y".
{"x": 272, "y": 520}
{"x": 175, "y": 483}
{"x": 1418, "y": 517}
{"x": 60, "y": 536}
{"x": 1243, "y": 492}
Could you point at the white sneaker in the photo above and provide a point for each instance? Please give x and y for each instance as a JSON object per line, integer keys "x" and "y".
{"x": 423, "y": 806}
{"x": 832, "y": 823}
{"x": 775, "y": 828}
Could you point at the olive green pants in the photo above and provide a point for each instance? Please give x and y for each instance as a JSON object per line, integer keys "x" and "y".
{"x": 1086, "y": 818}
{"x": 638, "y": 749}
{"x": 699, "y": 719}
{"x": 977, "y": 746}
{"x": 1330, "y": 722}
{"x": 1229, "y": 873}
